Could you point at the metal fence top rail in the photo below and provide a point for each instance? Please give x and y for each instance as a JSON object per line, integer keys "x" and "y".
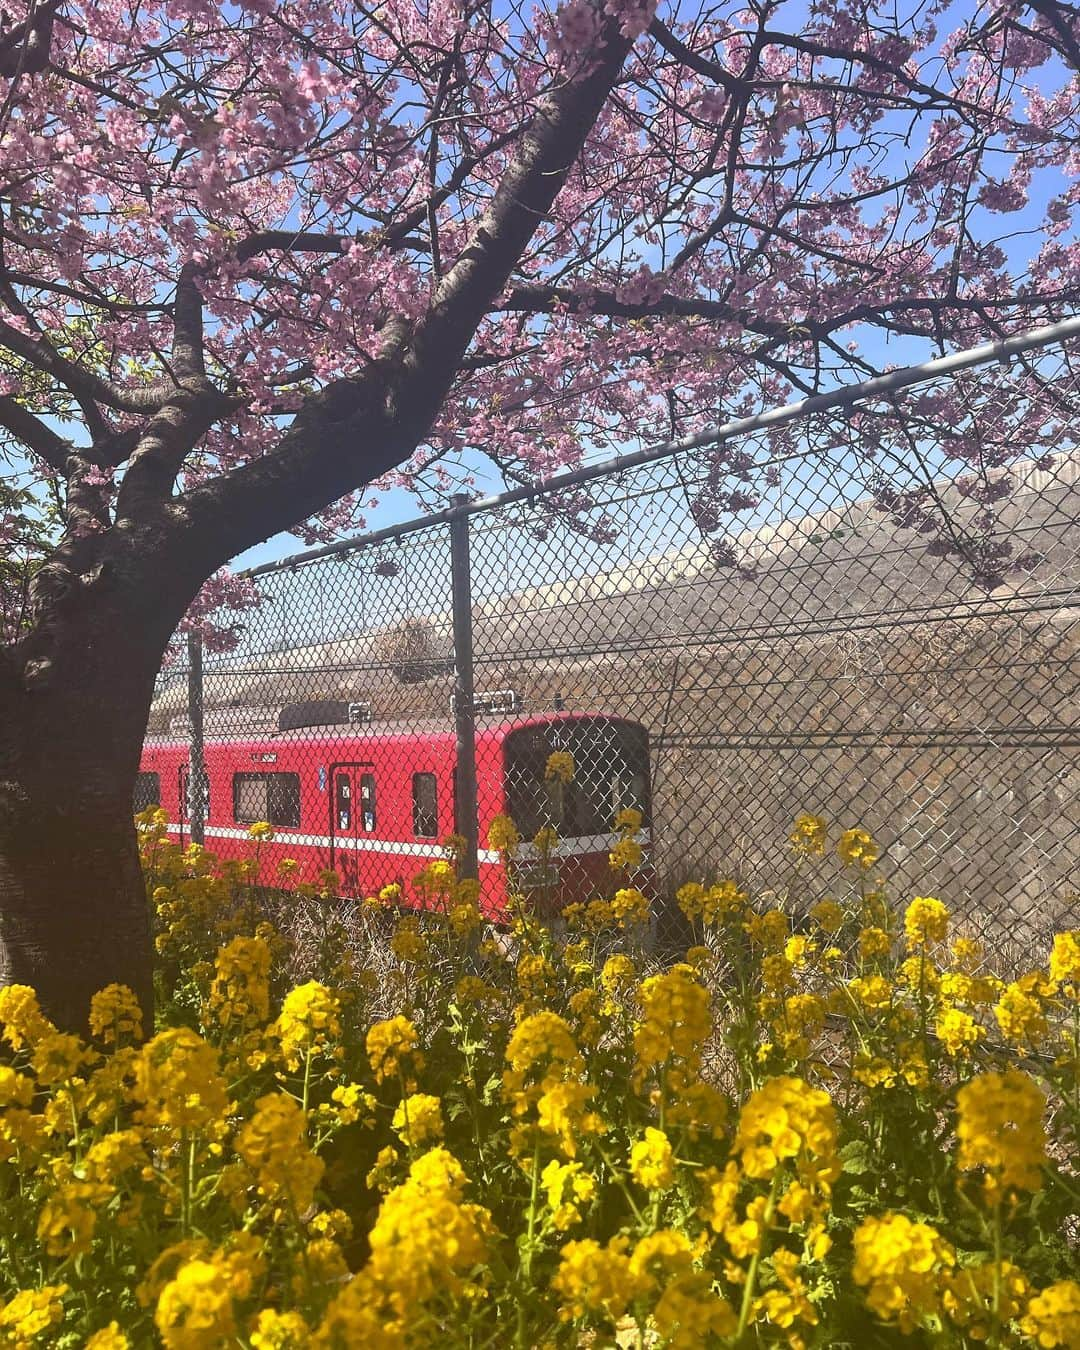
{"x": 1001, "y": 352}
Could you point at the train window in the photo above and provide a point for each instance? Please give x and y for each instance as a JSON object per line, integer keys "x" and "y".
{"x": 266, "y": 796}
{"x": 367, "y": 802}
{"x": 611, "y": 772}
{"x": 425, "y": 806}
{"x": 147, "y": 791}
{"x": 343, "y": 801}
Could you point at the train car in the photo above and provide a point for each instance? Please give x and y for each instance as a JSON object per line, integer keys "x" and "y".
{"x": 373, "y": 802}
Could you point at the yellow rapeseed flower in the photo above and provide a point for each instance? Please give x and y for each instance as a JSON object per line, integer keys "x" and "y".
{"x": 828, "y": 916}
{"x": 195, "y": 1309}
{"x": 178, "y": 1082}
{"x": 628, "y": 821}
{"x": 856, "y": 848}
{"x": 784, "y": 1120}
{"x": 969, "y": 1294}
{"x": 926, "y": 921}
{"x": 503, "y": 835}
{"x": 392, "y": 1047}
{"x": 999, "y": 1130}
{"x": 596, "y": 1279}
{"x": 899, "y": 1263}
{"x": 418, "y": 1119}
{"x": 1053, "y": 1316}
{"x": 560, "y": 766}
{"x": 240, "y": 990}
{"x": 425, "y": 1239}
{"x": 676, "y": 1019}
{"x": 274, "y": 1145}
{"x": 566, "y": 1186}
{"x": 958, "y": 1032}
{"x": 15, "y": 1088}
{"x": 109, "y": 1338}
{"x": 652, "y": 1160}
{"x": 627, "y": 855}
{"x": 874, "y": 942}
{"x": 309, "y": 1022}
{"x": 115, "y": 1015}
{"x": 68, "y": 1218}
{"x": 32, "y": 1312}
{"x": 808, "y": 836}
{"x": 1021, "y": 1012}
{"x": 1065, "y": 963}
{"x": 280, "y": 1331}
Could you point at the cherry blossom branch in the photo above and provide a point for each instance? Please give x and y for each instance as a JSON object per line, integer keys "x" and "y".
{"x": 354, "y": 430}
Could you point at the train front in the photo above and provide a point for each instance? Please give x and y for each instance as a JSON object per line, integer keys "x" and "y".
{"x": 574, "y": 774}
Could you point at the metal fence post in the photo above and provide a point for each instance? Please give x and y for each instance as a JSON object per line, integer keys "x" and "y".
{"x": 465, "y": 808}
{"x": 196, "y": 743}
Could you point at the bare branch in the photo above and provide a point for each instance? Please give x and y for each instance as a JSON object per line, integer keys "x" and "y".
{"x": 712, "y": 70}
{"x": 549, "y": 299}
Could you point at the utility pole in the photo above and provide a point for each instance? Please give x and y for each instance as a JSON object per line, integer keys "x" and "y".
{"x": 465, "y": 807}
{"x": 196, "y": 792}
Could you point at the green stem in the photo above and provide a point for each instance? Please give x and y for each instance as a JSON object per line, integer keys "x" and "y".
{"x": 186, "y": 1159}
{"x": 922, "y": 1001}
{"x": 527, "y": 1254}
{"x": 746, "y": 1306}
{"x": 307, "y": 1078}
{"x": 994, "y": 1338}
{"x": 75, "y": 1141}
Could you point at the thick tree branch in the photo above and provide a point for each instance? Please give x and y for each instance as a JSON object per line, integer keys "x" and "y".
{"x": 77, "y": 379}
{"x": 33, "y": 433}
{"x": 88, "y": 296}
{"x": 24, "y": 50}
{"x": 168, "y": 438}
{"x": 547, "y": 149}
{"x": 188, "y": 359}
{"x": 549, "y": 299}
{"x": 1056, "y": 16}
{"x": 300, "y": 241}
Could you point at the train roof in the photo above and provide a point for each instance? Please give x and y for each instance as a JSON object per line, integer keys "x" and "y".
{"x": 397, "y": 729}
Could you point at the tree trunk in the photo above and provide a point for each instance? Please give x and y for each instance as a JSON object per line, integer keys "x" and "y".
{"x": 73, "y": 911}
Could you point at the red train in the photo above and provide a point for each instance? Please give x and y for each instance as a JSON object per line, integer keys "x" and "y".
{"x": 373, "y": 802}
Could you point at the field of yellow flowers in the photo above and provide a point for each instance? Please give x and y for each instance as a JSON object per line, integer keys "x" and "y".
{"x": 824, "y": 1125}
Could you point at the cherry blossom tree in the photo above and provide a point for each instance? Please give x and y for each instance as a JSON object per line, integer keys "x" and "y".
{"x": 256, "y": 257}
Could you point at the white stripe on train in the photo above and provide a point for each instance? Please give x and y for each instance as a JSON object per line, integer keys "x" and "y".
{"x": 565, "y": 848}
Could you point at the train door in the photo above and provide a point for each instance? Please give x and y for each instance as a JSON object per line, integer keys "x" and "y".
{"x": 358, "y": 855}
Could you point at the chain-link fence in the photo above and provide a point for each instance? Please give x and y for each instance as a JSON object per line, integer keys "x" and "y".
{"x": 870, "y": 611}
